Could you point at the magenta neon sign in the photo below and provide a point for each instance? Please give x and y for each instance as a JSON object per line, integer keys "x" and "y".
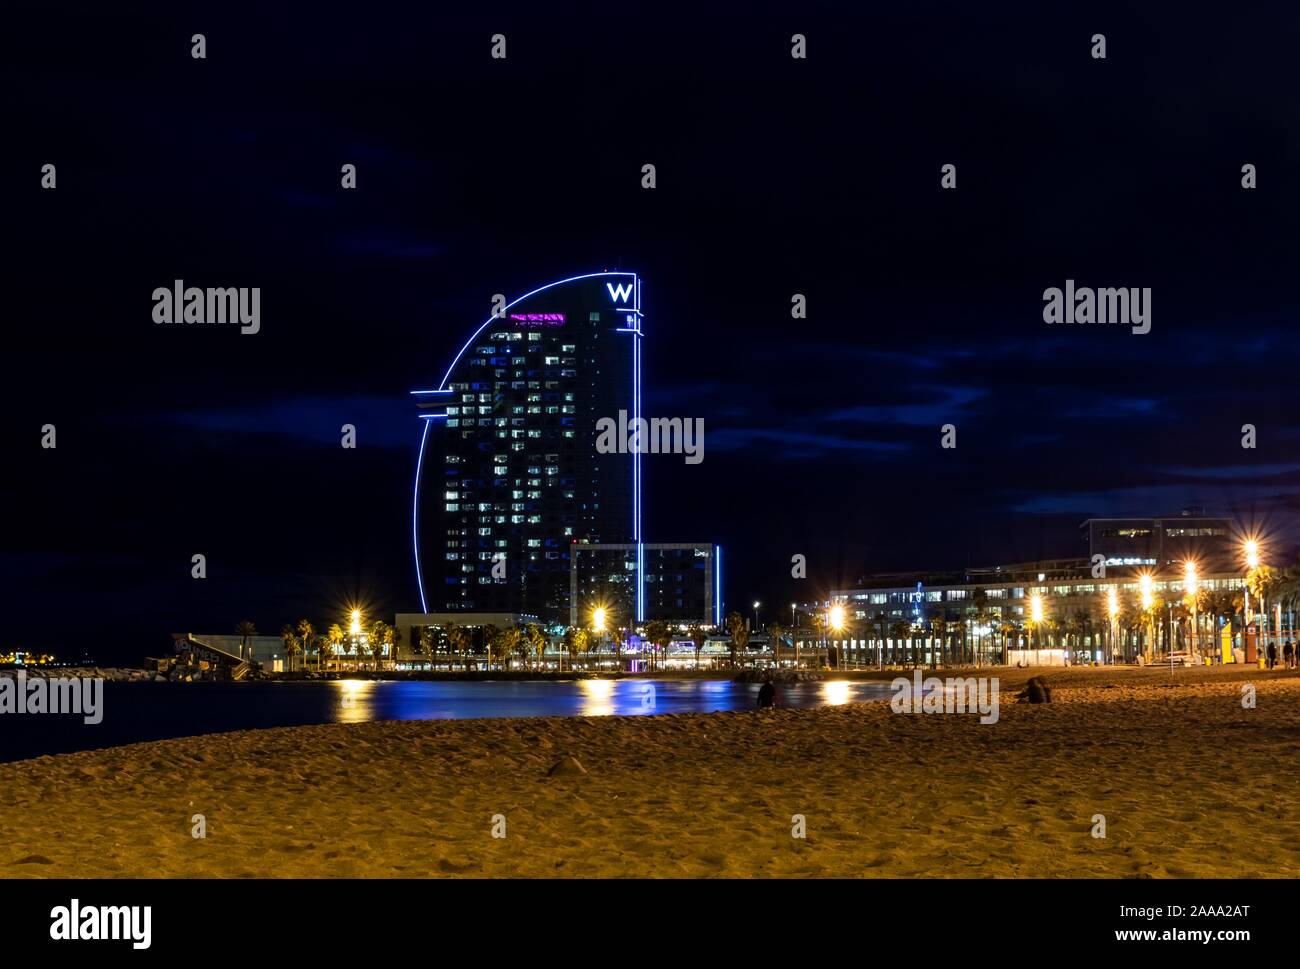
{"x": 538, "y": 319}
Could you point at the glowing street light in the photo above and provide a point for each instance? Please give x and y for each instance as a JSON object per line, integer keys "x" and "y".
{"x": 837, "y": 617}
{"x": 355, "y": 627}
{"x": 1035, "y": 617}
{"x": 756, "y": 605}
{"x": 1112, "y": 607}
{"x": 598, "y": 619}
{"x": 1148, "y": 600}
{"x": 1189, "y": 587}
{"x": 1251, "y": 548}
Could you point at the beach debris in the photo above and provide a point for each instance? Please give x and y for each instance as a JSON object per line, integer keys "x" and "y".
{"x": 1036, "y": 691}
{"x": 568, "y": 767}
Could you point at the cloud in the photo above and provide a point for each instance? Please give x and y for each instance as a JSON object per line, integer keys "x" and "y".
{"x": 381, "y": 421}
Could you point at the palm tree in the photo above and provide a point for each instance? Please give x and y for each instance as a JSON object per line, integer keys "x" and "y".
{"x": 739, "y": 635}
{"x": 980, "y": 599}
{"x": 659, "y": 634}
{"x": 336, "y": 637}
{"x": 1073, "y": 629}
{"x": 428, "y": 644}
{"x": 378, "y": 636}
{"x": 290, "y": 643}
{"x": 503, "y": 644}
{"x": 245, "y": 631}
{"x": 576, "y": 641}
{"x": 775, "y": 631}
{"x": 489, "y": 638}
{"x": 535, "y": 642}
{"x": 458, "y": 641}
{"x": 939, "y": 630}
{"x": 1006, "y": 627}
{"x": 696, "y": 632}
{"x": 898, "y": 631}
{"x": 307, "y": 635}
{"x": 324, "y": 652}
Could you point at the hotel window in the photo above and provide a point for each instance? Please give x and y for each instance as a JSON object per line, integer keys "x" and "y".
{"x": 534, "y": 336}
{"x": 934, "y": 597}
{"x": 997, "y": 593}
{"x": 879, "y": 598}
{"x": 593, "y": 317}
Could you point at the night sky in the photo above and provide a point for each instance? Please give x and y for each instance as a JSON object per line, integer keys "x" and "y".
{"x": 775, "y": 176}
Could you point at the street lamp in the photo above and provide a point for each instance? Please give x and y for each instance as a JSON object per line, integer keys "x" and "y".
{"x": 1251, "y": 549}
{"x": 837, "y": 624}
{"x": 756, "y": 605}
{"x": 1112, "y": 608}
{"x": 1036, "y": 617}
{"x": 1148, "y": 600}
{"x": 1189, "y": 587}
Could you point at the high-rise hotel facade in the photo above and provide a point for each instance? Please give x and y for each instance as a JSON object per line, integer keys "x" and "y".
{"x": 508, "y": 476}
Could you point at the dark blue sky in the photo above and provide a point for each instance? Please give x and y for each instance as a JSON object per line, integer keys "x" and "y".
{"x": 775, "y": 176}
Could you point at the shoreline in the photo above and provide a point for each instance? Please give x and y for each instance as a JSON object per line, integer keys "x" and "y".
{"x": 1190, "y": 783}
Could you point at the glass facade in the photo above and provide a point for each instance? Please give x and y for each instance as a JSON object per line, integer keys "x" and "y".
{"x": 508, "y": 476}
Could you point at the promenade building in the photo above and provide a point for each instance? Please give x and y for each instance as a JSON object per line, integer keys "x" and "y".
{"x": 987, "y": 615}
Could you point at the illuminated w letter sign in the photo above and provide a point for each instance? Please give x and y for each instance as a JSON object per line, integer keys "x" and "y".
{"x": 619, "y": 294}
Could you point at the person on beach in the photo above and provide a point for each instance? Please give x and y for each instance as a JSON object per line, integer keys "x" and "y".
{"x": 767, "y": 693}
{"x": 1272, "y": 654}
{"x": 1288, "y": 654}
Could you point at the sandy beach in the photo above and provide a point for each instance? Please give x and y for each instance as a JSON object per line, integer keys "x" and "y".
{"x": 1190, "y": 784}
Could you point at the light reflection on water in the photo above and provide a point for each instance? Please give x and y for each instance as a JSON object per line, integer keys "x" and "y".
{"x": 136, "y": 712}
{"x": 836, "y": 692}
{"x": 434, "y": 700}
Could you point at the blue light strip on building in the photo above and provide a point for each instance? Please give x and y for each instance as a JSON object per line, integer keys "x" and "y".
{"x": 636, "y": 459}
{"x": 415, "y": 518}
{"x": 717, "y": 585}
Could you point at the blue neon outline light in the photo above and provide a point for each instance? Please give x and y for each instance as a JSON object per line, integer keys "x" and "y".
{"x": 415, "y": 517}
